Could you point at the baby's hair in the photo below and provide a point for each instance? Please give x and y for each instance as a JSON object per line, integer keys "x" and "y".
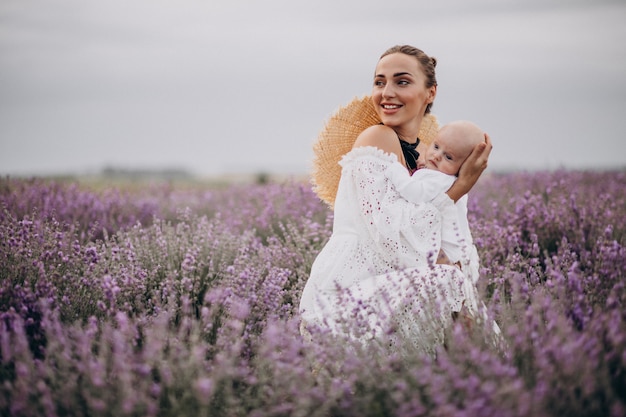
{"x": 472, "y": 133}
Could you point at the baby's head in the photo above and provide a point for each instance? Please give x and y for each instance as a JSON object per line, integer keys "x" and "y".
{"x": 452, "y": 145}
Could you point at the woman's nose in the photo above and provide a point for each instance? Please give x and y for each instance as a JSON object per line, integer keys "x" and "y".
{"x": 388, "y": 91}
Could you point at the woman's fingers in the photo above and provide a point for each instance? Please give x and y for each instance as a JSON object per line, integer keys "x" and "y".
{"x": 488, "y": 141}
{"x": 480, "y": 154}
{"x": 476, "y": 162}
{"x": 485, "y": 150}
{"x": 471, "y": 169}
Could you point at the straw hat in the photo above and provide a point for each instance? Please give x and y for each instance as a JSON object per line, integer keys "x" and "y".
{"x": 337, "y": 138}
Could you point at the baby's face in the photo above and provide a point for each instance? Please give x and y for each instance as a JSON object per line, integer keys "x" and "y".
{"x": 446, "y": 154}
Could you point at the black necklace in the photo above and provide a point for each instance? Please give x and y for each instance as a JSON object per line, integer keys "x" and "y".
{"x": 410, "y": 153}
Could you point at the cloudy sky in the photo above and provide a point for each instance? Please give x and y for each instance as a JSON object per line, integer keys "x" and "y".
{"x": 235, "y": 86}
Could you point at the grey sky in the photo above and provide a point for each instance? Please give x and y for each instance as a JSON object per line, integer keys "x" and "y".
{"x": 245, "y": 86}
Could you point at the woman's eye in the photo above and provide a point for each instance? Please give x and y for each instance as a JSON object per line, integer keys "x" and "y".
{"x": 403, "y": 82}
{"x": 378, "y": 83}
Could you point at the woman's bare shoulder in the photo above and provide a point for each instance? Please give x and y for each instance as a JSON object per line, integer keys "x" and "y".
{"x": 382, "y": 137}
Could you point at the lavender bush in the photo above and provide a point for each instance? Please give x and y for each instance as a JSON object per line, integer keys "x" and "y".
{"x": 166, "y": 301}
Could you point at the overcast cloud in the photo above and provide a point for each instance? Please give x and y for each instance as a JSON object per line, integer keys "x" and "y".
{"x": 245, "y": 86}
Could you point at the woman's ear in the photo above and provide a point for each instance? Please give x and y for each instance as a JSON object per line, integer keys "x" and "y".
{"x": 432, "y": 93}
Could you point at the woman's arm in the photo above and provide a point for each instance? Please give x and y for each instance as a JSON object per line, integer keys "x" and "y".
{"x": 405, "y": 234}
{"x": 384, "y": 138}
{"x": 471, "y": 170}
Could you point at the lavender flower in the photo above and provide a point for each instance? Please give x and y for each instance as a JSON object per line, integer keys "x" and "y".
{"x": 183, "y": 301}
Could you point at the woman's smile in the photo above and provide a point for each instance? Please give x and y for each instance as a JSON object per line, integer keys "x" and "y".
{"x": 390, "y": 108}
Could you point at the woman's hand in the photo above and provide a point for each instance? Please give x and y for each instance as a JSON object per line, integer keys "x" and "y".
{"x": 471, "y": 170}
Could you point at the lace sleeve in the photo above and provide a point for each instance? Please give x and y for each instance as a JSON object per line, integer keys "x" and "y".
{"x": 406, "y": 234}
{"x": 427, "y": 185}
{"x": 421, "y": 187}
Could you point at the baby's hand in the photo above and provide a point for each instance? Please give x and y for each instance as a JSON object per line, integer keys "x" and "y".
{"x": 421, "y": 161}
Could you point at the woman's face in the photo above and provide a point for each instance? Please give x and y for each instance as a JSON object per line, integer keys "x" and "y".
{"x": 399, "y": 94}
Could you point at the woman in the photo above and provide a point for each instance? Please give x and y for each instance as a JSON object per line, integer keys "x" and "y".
{"x": 378, "y": 269}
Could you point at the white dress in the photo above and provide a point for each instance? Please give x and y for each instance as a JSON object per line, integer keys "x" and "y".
{"x": 377, "y": 275}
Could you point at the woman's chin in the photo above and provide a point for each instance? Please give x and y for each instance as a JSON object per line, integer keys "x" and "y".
{"x": 388, "y": 120}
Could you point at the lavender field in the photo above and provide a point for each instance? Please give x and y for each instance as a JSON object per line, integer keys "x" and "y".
{"x": 166, "y": 300}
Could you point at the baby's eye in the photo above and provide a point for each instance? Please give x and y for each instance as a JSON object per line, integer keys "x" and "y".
{"x": 435, "y": 146}
{"x": 448, "y": 157}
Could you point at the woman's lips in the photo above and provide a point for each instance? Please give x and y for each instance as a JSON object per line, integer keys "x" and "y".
{"x": 390, "y": 108}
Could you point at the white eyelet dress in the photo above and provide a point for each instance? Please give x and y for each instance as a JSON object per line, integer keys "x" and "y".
{"x": 377, "y": 275}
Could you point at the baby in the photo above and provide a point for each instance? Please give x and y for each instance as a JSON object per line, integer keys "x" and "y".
{"x": 437, "y": 170}
{"x": 451, "y": 147}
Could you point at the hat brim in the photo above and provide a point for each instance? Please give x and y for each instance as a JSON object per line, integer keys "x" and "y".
{"x": 338, "y": 137}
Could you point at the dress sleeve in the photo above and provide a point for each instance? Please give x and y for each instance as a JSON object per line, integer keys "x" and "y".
{"x": 421, "y": 187}
{"x": 427, "y": 185}
{"x": 406, "y": 233}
